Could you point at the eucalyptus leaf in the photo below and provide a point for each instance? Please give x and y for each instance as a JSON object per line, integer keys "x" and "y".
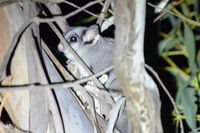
{"x": 185, "y": 9}
{"x": 190, "y": 47}
{"x": 173, "y": 20}
{"x": 180, "y": 85}
{"x": 175, "y": 23}
{"x": 172, "y": 43}
{"x": 195, "y": 82}
{"x": 180, "y": 36}
{"x": 188, "y": 99}
{"x": 182, "y": 82}
{"x": 167, "y": 44}
{"x": 88, "y": 20}
{"x": 162, "y": 45}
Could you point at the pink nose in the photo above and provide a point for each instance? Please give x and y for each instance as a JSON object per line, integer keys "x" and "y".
{"x": 60, "y": 47}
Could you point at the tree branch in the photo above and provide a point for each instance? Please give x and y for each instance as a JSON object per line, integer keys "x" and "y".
{"x": 55, "y": 85}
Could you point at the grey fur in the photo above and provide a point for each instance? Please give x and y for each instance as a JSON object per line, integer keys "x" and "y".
{"x": 97, "y": 55}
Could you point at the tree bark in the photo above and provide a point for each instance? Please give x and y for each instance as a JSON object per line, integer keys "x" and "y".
{"x": 143, "y": 102}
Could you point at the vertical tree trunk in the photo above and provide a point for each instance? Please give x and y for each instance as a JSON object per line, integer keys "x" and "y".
{"x": 142, "y": 95}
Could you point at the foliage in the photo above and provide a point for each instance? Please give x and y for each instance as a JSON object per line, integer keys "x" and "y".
{"x": 181, "y": 42}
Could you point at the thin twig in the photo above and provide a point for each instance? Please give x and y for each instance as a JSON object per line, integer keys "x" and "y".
{"x": 167, "y": 10}
{"x": 181, "y": 17}
{"x": 101, "y": 3}
{"x": 103, "y": 11}
{"x": 72, "y": 4}
{"x": 162, "y": 5}
{"x": 56, "y": 10}
{"x": 167, "y": 92}
{"x": 45, "y": 20}
{"x": 55, "y": 85}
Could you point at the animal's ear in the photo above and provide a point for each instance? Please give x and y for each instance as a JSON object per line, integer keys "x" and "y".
{"x": 91, "y": 33}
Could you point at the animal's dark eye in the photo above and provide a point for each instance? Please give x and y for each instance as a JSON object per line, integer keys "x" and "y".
{"x": 73, "y": 39}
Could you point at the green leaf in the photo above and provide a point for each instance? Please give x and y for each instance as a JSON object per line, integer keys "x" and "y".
{"x": 167, "y": 44}
{"x": 185, "y": 9}
{"x": 173, "y": 20}
{"x": 180, "y": 82}
{"x": 89, "y": 19}
{"x": 171, "y": 44}
{"x": 190, "y": 47}
{"x": 175, "y": 23}
{"x": 195, "y": 82}
{"x": 180, "y": 36}
{"x": 188, "y": 99}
